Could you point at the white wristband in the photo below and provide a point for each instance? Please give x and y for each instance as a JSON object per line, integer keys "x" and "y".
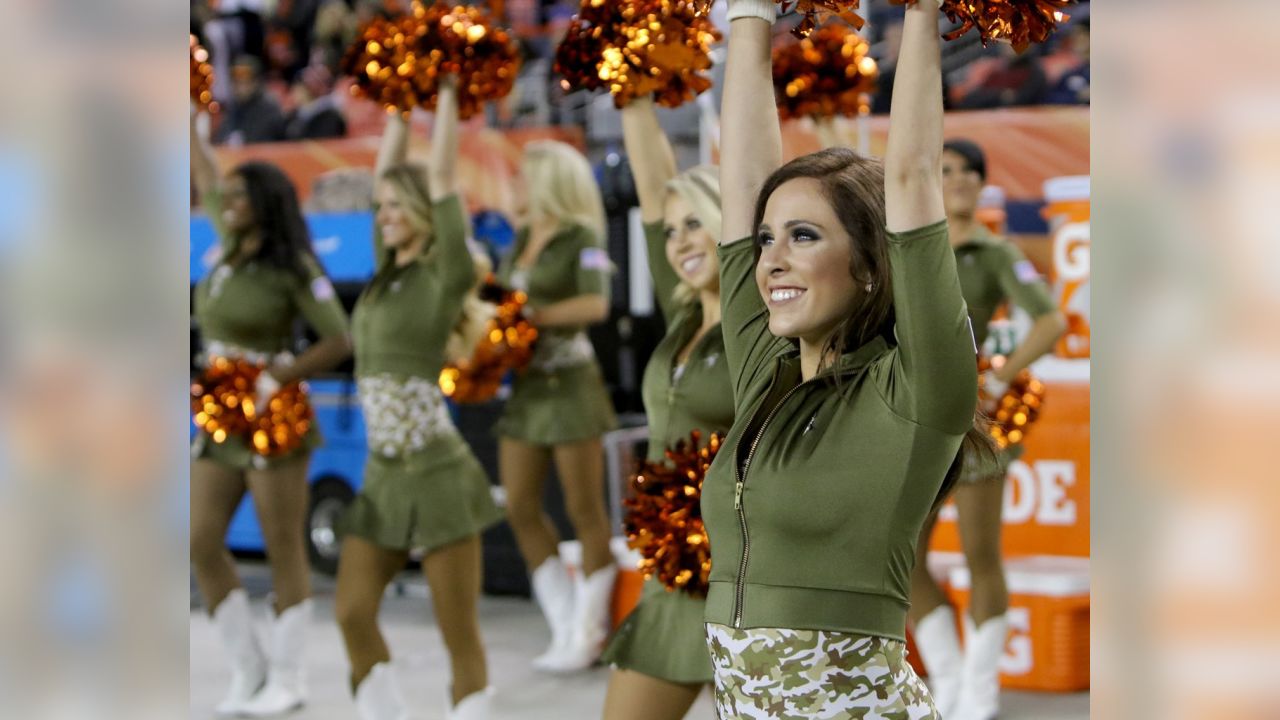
{"x": 764, "y": 9}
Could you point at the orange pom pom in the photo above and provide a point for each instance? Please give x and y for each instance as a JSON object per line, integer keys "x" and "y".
{"x": 638, "y": 48}
{"x": 1019, "y": 22}
{"x": 201, "y": 78}
{"x": 463, "y": 40}
{"x": 824, "y": 75}
{"x": 664, "y": 516}
{"x": 507, "y": 345}
{"x": 222, "y": 402}
{"x": 387, "y": 65}
{"x": 1017, "y": 409}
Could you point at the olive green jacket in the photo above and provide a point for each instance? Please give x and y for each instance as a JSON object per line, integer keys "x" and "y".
{"x": 814, "y": 505}
{"x": 993, "y": 270}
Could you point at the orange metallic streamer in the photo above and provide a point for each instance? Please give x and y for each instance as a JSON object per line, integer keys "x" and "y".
{"x": 201, "y": 78}
{"x": 507, "y": 345}
{"x": 222, "y": 402}
{"x": 637, "y": 48}
{"x": 1017, "y": 409}
{"x": 664, "y": 516}
{"x": 398, "y": 63}
{"x": 824, "y": 75}
{"x": 1019, "y": 22}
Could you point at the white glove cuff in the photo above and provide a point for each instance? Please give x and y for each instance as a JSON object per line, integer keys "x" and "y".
{"x": 995, "y": 387}
{"x": 765, "y": 9}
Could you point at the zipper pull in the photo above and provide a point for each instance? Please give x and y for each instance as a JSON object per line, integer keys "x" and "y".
{"x": 737, "y": 495}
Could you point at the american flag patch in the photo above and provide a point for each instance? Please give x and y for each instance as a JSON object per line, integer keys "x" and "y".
{"x": 1026, "y": 272}
{"x": 594, "y": 258}
{"x": 322, "y": 289}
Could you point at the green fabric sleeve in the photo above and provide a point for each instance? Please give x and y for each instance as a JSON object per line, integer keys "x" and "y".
{"x": 379, "y": 250}
{"x": 592, "y": 266}
{"x": 317, "y": 302}
{"x": 934, "y": 379}
{"x": 452, "y": 258}
{"x": 1021, "y": 283}
{"x": 748, "y": 344}
{"x": 665, "y": 279}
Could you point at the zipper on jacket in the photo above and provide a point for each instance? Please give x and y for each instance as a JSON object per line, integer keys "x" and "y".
{"x": 740, "y": 477}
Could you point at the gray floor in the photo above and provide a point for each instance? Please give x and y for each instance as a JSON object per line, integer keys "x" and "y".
{"x": 513, "y": 632}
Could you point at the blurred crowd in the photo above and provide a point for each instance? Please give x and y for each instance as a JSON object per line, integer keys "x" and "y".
{"x": 277, "y": 64}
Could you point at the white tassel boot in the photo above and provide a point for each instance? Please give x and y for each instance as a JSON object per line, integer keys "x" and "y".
{"x": 980, "y": 687}
{"x": 234, "y": 622}
{"x": 285, "y": 690}
{"x": 378, "y": 697}
{"x": 553, "y": 591}
{"x": 593, "y": 597}
{"x": 939, "y": 647}
{"x": 475, "y": 706}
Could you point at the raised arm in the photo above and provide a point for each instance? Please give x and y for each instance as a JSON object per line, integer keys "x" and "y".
{"x": 936, "y": 381}
{"x": 913, "y": 159}
{"x": 750, "y": 150}
{"x": 750, "y": 137}
{"x": 395, "y": 144}
{"x": 204, "y": 168}
{"x": 442, "y": 168}
{"x": 653, "y": 162}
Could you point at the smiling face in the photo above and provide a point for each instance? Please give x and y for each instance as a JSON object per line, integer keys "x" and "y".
{"x": 961, "y": 185}
{"x": 803, "y": 272}
{"x": 392, "y": 219}
{"x": 691, "y": 249}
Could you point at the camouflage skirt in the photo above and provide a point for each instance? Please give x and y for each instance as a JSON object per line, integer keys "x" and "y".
{"x": 785, "y": 674}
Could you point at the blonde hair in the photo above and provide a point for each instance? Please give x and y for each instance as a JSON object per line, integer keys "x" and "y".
{"x": 699, "y": 188}
{"x": 409, "y": 182}
{"x": 562, "y": 186}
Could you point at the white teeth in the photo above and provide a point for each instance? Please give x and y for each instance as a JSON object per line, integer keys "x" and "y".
{"x": 691, "y": 264}
{"x": 784, "y": 295}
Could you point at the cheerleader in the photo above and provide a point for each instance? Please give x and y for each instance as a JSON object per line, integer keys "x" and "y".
{"x": 992, "y": 271}
{"x": 423, "y": 487}
{"x": 559, "y": 408}
{"x": 265, "y": 279}
{"x": 660, "y": 656}
{"x": 854, "y": 378}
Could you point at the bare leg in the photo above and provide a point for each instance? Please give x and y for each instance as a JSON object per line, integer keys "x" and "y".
{"x": 580, "y": 466}
{"x": 522, "y": 468}
{"x": 636, "y": 696}
{"x": 980, "y": 505}
{"x": 215, "y": 493}
{"x": 454, "y": 574}
{"x": 280, "y": 496}
{"x": 364, "y": 571}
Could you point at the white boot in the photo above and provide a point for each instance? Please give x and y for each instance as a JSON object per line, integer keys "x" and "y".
{"x": 234, "y": 622}
{"x": 475, "y": 706}
{"x": 980, "y": 688}
{"x": 378, "y": 696}
{"x": 939, "y": 647}
{"x": 553, "y": 590}
{"x": 593, "y": 597}
{"x": 285, "y": 690}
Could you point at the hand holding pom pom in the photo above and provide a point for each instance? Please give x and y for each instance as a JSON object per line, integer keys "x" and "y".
{"x": 1020, "y": 22}
{"x": 1015, "y": 407}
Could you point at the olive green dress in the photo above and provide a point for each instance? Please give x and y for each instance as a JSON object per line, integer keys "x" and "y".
{"x": 560, "y": 397}
{"x": 992, "y": 271}
{"x": 423, "y": 487}
{"x": 664, "y": 635}
{"x": 248, "y": 311}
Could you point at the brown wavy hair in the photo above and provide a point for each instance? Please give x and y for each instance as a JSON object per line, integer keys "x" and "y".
{"x": 854, "y": 187}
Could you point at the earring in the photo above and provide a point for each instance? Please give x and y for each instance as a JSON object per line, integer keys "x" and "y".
{"x": 869, "y": 286}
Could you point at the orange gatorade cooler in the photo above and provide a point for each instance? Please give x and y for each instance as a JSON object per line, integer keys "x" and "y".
{"x": 1048, "y": 643}
{"x": 1067, "y": 212}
